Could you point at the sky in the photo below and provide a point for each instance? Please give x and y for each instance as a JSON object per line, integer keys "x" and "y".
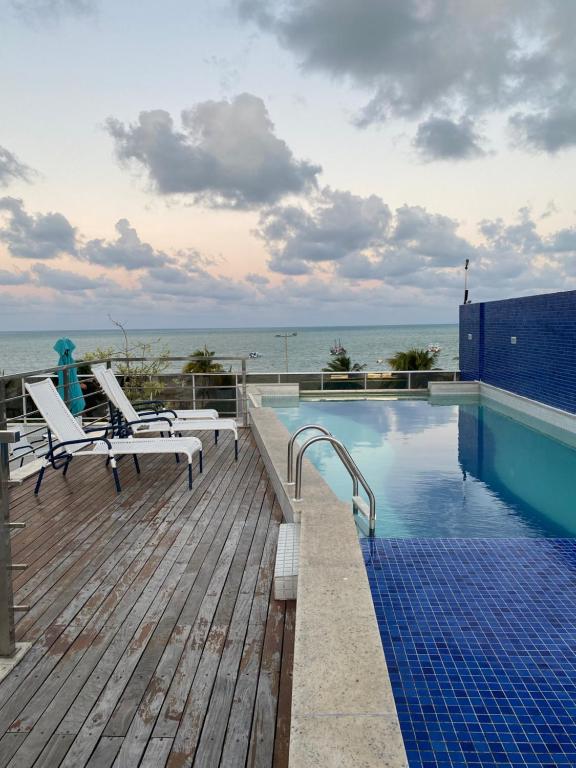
{"x": 218, "y": 163}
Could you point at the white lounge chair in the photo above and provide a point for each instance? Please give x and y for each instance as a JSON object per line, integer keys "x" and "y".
{"x": 71, "y": 438}
{"x": 166, "y": 421}
{"x": 158, "y": 408}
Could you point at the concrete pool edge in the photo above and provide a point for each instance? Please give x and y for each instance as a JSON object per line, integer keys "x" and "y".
{"x": 343, "y": 710}
{"x": 547, "y": 415}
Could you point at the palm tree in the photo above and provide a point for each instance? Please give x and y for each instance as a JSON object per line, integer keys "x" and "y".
{"x": 413, "y": 359}
{"x": 205, "y": 364}
{"x": 342, "y": 363}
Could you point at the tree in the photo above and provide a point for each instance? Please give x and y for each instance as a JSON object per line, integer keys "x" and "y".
{"x": 205, "y": 365}
{"x": 342, "y": 363}
{"x": 414, "y": 359}
{"x": 139, "y": 376}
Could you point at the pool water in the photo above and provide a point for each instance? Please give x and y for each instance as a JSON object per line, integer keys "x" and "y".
{"x": 445, "y": 471}
{"x": 472, "y": 574}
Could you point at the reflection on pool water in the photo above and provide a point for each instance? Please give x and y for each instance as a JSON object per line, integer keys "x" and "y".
{"x": 447, "y": 471}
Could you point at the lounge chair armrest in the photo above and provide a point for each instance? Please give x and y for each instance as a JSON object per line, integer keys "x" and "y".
{"x": 157, "y": 404}
{"x": 169, "y": 411}
{"x": 22, "y": 448}
{"x": 103, "y": 427}
{"x": 147, "y": 419}
{"x": 87, "y": 440}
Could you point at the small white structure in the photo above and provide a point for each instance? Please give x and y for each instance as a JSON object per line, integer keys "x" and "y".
{"x": 287, "y": 560}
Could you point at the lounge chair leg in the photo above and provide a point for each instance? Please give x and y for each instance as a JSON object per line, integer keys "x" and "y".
{"x": 236, "y": 449}
{"x": 190, "y": 475}
{"x": 116, "y": 476}
{"x": 136, "y": 464}
{"x": 107, "y": 461}
{"x": 39, "y": 481}
{"x": 201, "y": 461}
{"x": 216, "y": 433}
{"x": 177, "y": 458}
{"x": 65, "y": 470}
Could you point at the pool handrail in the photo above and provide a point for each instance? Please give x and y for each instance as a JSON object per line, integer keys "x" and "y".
{"x": 352, "y": 468}
{"x": 290, "y": 467}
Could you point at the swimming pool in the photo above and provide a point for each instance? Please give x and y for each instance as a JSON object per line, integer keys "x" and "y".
{"x": 472, "y": 575}
{"x": 466, "y": 470}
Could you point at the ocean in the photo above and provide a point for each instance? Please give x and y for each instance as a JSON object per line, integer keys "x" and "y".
{"x": 309, "y": 350}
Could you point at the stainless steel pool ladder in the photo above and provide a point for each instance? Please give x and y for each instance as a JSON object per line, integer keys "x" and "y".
{"x": 358, "y": 503}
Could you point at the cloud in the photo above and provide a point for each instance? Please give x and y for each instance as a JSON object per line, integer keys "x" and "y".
{"x": 226, "y": 155}
{"x": 189, "y": 280}
{"x": 440, "y": 138}
{"x": 11, "y": 169}
{"x": 360, "y": 235}
{"x": 37, "y": 236}
{"x": 338, "y": 223}
{"x": 415, "y": 252}
{"x": 64, "y": 280}
{"x": 257, "y": 280}
{"x": 549, "y": 131}
{"x": 38, "y": 12}
{"x": 126, "y": 251}
{"x": 420, "y": 57}
{"x": 13, "y": 278}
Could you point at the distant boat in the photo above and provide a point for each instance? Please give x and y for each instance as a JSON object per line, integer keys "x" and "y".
{"x": 254, "y": 355}
{"x": 337, "y": 348}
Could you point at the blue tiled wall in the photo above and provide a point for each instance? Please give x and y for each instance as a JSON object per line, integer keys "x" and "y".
{"x": 541, "y": 364}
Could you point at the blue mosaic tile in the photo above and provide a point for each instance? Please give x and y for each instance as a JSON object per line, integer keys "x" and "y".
{"x": 480, "y": 641}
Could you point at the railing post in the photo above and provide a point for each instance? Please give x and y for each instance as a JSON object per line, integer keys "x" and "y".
{"x": 409, "y": 380}
{"x": 322, "y": 381}
{"x": 24, "y": 405}
{"x": 365, "y": 381}
{"x": 244, "y": 396}
{"x": 194, "y": 391}
{"x": 7, "y": 634}
{"x": 2, "y": 404}
{"x": 66, "y": 385}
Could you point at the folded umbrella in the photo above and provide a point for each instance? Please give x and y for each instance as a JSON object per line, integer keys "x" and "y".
{"x": 75, "y": 399}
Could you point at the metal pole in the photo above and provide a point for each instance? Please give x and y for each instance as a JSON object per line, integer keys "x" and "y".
{"x": 7, "y": 633}
{"x": 66, "y": 385}
{"x": 244, "y": 396}
{"x": 24, "y": 405}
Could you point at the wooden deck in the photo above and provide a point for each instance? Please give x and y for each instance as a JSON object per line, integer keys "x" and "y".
{"x": 155, "y": 638}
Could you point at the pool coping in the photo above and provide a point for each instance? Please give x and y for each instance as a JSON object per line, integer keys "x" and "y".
{"x": 522, "y": 406}
{"x": 343, "y": 709}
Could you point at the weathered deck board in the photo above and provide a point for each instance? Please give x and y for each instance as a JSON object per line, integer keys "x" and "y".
{"x": 155, "y": 638}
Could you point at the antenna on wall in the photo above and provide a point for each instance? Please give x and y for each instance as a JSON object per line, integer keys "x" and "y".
{"x": 466, "y": 281}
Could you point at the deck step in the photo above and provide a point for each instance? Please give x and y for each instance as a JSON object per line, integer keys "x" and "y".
{"x": 361, "y": 505}
{"x": 287, "y": 560}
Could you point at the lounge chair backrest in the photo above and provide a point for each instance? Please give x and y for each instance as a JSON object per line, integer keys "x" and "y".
{"x": 114, "y": 392}
{"x": 55, "y": 412}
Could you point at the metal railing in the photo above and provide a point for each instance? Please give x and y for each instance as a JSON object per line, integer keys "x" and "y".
{"x": 360, "y": 381}
{"x": 7, "y": 607}
{"x": 358, "y": 503}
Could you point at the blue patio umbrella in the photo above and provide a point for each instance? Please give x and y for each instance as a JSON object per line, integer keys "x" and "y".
{"x": 76, "y": 402}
